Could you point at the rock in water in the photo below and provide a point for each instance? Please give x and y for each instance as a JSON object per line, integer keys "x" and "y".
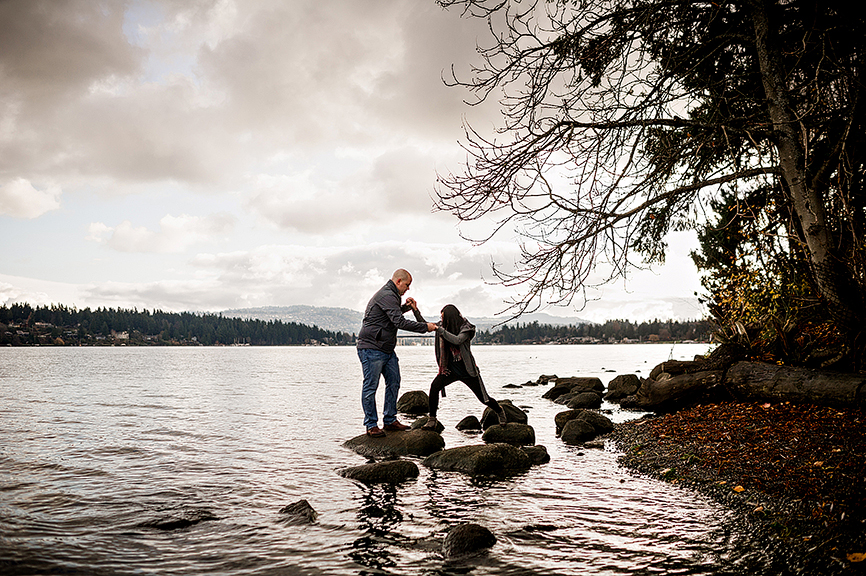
{"x": 537, "y": 454}
{"x": 414, "y": 402}
{"x": 420, "y": 422}
{"x": 582, "y": 383}
{"x": 515, "y": 414}
{"x": 388, "y": 472}
{"x": 600, "y": 422}
{"x": 299, "y": 513}
{"x": 622, "y": 386}
{"x": 411, "y": 442}
{"x": 577, "y": 431}
{"x": 584, "y": 400}
{"x": 516, "y": 434}
{"x": 481, "y": 460}
{"x": 466, "y": 539}
{"x": 469, "y": 423}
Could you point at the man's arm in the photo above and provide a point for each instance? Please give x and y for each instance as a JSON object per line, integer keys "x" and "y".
{"x": 391, "y": 307}
{"x": 414, "y": 306}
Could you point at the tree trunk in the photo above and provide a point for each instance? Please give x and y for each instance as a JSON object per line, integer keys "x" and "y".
{"x": 832, "y": 278}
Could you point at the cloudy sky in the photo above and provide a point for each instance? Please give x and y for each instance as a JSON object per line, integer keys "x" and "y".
{"x": 212, "y": 154}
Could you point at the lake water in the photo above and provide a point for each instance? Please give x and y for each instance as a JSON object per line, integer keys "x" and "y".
{"x": 178, "y": 460}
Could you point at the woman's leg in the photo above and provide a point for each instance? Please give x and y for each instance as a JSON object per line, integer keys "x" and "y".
{"x": 436, "y": 387}
{"x": 477, "y": 386}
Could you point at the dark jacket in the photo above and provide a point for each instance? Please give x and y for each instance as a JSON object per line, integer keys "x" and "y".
{"x": 461, "y": 340}
{"x": 384, "y": 315}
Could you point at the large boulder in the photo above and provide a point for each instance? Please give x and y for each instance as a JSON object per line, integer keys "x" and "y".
{"x": 671, "y": 393}
{"x": 577, "y": 432}
{"x": 481, "y": 460}
{"x": 584, "y": 400}
{"x": 622, "y": 386}
{"x": 516, "y": 434}
{"x": 515, "y": 414}
{"x": 299, "y": 512}
{"x": 387, "y": 472}
{"x": 414, "y": 402}
{"x": 409, "y": 443}
{"x": 467, "y": 539}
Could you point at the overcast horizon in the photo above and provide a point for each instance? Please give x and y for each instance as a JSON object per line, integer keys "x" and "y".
{"x": 203, "y": 155}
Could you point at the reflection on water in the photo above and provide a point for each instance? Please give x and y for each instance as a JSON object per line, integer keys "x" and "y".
{"x": 378, "y": 520}
{"x": 178, "y": 460}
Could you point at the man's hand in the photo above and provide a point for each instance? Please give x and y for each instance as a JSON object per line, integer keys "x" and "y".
{"x": 411, "y": 303}
{"x": 431, "y": 327}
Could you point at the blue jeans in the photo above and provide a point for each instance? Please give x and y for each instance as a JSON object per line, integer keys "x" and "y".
{"x": 375, "y": 364}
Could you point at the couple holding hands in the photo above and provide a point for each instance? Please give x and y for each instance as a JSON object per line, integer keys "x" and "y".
{"x": 378, "y": 338}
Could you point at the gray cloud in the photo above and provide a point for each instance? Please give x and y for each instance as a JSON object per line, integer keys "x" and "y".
{"x": 320, "y": 124}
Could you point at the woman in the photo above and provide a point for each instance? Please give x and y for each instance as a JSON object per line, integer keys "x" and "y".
{"x": 456, "y": 362}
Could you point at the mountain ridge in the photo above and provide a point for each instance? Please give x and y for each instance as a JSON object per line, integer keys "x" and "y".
{"x": 349, "y": 321}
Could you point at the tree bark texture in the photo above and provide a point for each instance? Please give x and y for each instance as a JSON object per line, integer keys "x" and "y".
{"x": 770, "y": 382}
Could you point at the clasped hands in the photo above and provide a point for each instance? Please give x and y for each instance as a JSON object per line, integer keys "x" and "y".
{"x": 414, "y": 305}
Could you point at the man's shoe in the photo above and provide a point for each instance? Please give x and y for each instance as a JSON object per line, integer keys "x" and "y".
{"x": 375, "y": 432}
{"x": 395, "y": 426}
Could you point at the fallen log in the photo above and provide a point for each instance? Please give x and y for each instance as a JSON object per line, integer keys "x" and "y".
{"x": 773, "y": 383}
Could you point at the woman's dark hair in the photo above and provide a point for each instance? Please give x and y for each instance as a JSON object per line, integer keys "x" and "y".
{"x": 451, "y": 318}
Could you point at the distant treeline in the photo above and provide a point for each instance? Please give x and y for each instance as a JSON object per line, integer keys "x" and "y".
{"x": 21, "y": 324}
{"x": 612, "y": 330}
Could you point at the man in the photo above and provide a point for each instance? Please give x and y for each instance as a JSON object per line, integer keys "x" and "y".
{"x": 376, "y": 342}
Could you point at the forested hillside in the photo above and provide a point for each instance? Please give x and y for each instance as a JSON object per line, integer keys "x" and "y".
{"x": 610, "y": 331}
{"x": 21, "y": 324}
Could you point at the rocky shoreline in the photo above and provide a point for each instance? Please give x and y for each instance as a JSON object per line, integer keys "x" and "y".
{"x": 783, "y": 448}
{"x": 795, "y": 474}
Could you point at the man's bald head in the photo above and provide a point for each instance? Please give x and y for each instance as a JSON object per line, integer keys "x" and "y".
{"x": 402, "y": 279}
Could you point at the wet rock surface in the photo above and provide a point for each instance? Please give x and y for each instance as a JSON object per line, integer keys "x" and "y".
{"x": 467, "y": 539}
{"x": 413, "y": 402}
{"x": 469, "y": 423}
{"x": 387, "y": 472}
{"x": 577, "y": 432}
{"x": 515, "y": 414}
{"x": 537, "y": 454}
{"x": 516, "y": 434}
{"x": 481, "y": 460}
{"x": 420, "y": 422}
{"x": 409, "y": 443}
{"x": 300, "y": 512}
